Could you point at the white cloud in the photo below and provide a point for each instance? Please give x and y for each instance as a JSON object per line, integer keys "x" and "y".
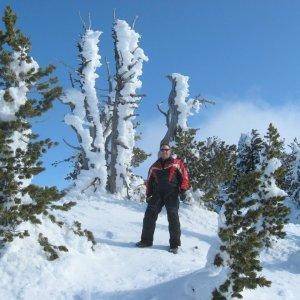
{"x": 232, "y": 118}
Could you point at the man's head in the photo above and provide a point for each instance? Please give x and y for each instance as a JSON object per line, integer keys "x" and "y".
{"x": 165, "y": 151}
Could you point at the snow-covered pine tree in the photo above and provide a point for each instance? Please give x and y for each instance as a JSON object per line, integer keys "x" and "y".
{"x": 129, "y": 58}
{"x": 91, "y": 172}
{"x": 26, "y": 91}
{"x": 238, "y": 220}
{"x": 270, "y": 196}
{"x": 294, "y": 174}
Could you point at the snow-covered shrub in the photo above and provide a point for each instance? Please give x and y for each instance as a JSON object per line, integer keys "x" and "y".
{"x": 253, "y": 213}
{"x": 240, "y": 243}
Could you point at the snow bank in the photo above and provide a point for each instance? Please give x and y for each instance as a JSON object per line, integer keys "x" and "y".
{"x": 119, "y": 270}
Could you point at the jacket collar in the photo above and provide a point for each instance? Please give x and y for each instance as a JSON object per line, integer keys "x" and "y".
{"x": 164, "y": 161}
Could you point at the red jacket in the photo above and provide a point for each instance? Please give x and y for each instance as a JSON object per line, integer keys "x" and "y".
{"x": 168, "y": 173}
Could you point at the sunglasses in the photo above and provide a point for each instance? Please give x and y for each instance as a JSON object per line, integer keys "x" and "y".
{"x": 165, "y": 150}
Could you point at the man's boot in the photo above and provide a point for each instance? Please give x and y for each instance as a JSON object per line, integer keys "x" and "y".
{"x": 142, "y": 244}
{"x": 174, "y": 250}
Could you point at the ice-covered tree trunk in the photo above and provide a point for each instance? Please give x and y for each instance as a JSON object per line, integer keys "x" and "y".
{"x": 180, "y": 107}
{"x": 129, "y": 58}
{"x": 107, "y": 115}
{"x": 85, "y": 116}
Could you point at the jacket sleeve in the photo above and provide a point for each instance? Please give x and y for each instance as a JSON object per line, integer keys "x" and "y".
{"x": 149, "y": 183}
{"x": 185, "y": 179}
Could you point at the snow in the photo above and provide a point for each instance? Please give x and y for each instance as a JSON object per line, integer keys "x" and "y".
{"x": 184, "y": 105}
{"x": 119, "y": 270}
{"x": 272, "y": 166}
{"x": 18, "y": 66}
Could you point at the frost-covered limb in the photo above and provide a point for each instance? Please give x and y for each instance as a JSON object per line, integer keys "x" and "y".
{"x": 85, "y": 116}
{"x": 129, "y": 58}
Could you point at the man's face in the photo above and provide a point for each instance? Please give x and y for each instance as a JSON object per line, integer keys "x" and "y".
{"x": 165, "y": 151}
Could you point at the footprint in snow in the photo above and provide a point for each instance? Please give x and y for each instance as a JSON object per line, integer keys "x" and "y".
{"x": 109, "y": 234}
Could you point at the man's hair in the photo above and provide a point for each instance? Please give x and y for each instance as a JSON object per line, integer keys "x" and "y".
{"x": 164, "y": 144}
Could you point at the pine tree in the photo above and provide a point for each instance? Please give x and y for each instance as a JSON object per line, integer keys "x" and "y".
{"x": 240, "y": 242}
{"x": 210, "y": 163}
{"x": 139, "y": 155}
{"x": 27, "y": 91}
{"x": 270, "y": 196}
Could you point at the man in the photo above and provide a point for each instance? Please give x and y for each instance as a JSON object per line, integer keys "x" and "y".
{"x": 167, "y": 179}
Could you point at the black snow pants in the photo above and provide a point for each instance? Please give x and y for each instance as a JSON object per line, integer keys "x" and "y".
{"x": 155, "y": 205}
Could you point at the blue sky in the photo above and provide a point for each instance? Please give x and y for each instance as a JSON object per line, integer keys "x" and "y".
{"x": 243, "y": 54}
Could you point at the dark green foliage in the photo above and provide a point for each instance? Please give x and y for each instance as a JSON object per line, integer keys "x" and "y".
{"x": 89, "y": 235}
{"x": 139, "y": 155}
{"x": 49, "y": 248}
{"x": 210, "y": 163}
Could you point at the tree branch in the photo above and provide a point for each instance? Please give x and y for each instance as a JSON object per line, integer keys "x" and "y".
{"x": 71, "y": 146}
{"x": 159, "y": 108}
{"x": 118, "y": 142}
{"x": 134, "y": 20}
{"x": 129, "y": 116}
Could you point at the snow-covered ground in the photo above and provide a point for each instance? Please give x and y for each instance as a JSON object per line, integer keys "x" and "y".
{"x": 119, "y": 270}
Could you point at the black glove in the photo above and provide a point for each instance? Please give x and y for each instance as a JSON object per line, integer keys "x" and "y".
{"x": 182, "y": 195}
{"x": 148, "y": 198}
